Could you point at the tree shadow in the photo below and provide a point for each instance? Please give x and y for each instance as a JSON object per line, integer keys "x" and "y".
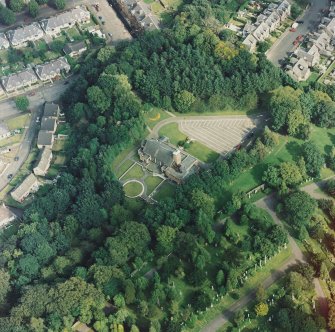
{"x": 294, "y": 149}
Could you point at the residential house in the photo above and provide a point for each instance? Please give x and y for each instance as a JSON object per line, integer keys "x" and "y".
{"x": 55, "y": 24}
{"x": 20, "y": 36}
{"x": 49, "y": 124}
{"x": 43, "y": 165}
{"x": 75, "y": 49}
{"x": 29, "y": 185}
{"x": 250, "y": 42}
{"x": 4, "y": 131}
{"x": 267, "y": 22}
{"x": 4, "y": 43}
{"x": 45, "y": 139}
{"x": 52, "y": 69}
{"x": 19, "y": 80}
{"x": 51, "y": 110}
{"x": 177, "y": 165}
{"x": 323, "y": 42}
{"x": 312, "y": 56}
{"x": 300, "y": 70}
{"x": 147, "y": 23}
{"x": 6, "y": 215}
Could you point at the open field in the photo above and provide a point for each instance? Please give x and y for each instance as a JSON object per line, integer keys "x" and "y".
{"x": 18, "y": 122}
{"x": 196, "y": 149}
{"x": 135, "y": 172}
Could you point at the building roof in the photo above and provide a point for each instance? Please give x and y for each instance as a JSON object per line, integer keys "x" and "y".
{"x": 19, "y": 80}
{"x": 25, "y": 187}
{"x": 78, "y": 46}
{"x": 52, "y": 68}
{"x": 48, "y": 123}
{"x": 300, "y": 70}
{"x": 44, "y": 138}
{"x": 51, "y": 110}
{"x": 24, "y": 34}
{"x": 4, "y": 43}
{"x": 5, "y": 215}
{"x": 44, "y": 160}
{"x": 59, "y": 21}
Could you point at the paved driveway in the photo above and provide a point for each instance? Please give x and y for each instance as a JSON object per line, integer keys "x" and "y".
{"x": 311, "y": 19}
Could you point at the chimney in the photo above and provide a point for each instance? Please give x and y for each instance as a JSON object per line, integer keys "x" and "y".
{"x": 177, "y": 157}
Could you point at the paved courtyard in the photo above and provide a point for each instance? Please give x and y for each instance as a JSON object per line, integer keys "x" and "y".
{"x": 220, "y": 135}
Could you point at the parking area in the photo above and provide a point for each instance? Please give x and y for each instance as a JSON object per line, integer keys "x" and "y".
{"x": 220, "y": 135}
{"x": 111, "y": 25}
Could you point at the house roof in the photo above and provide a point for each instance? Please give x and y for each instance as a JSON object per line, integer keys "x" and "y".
{"x": 160, "y": 151}
{"x": 4, "y": 43}
{"x": 18, "y": 80}
{"x": 25, "y": 187}
{"x": 300, "y": 69}
{"x": 22, "y": 35}
{"x": 5, "y": 214}
{"x": 51, "y": 110}
{"x": 44, "y": 138}
{"x": 72, "y": 16}
{"x": 74, "y": 47}
{"x": 44, "y": 160}
{"x": 48, "y": 123}
{"x": 52, "y": 68}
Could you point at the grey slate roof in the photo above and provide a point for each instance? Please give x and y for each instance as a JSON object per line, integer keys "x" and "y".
{"x": 162, "y": 152}
{"x": 18, "y": 80}
{"x": 79, "y": 46}
{"x": 52, "y": 69}
{"x": 24, "y": 34}
{"x": 51, "y": 110}
{"x": 48, "y": 123}
{"x": 45, "y": 138}
{"x": 25, "y": 187}
{"x": 60, "y": 21}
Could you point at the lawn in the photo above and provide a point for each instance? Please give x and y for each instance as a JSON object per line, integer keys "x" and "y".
{"x": 133, "y": 189}
{"x": 166, "y": 190}
{"x": 123, "y": 167}
{"x": 196, "y": 149}
{"x": 135, "y": 172}
{"x": 19, "y": 122}
{"x": 154, "y": 116}
{"x": 252, "y": 283}
{"x": 152, "y": 182}
{"x": 59, "y": 145}
{"x": 15, "y": 139}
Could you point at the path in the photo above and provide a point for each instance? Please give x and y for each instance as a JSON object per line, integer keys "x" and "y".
{"x": 268, "y": 203}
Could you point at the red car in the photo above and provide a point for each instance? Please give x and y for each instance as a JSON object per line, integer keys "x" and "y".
{"x": 293, "y": 30}
{"x": 300, "y": 38}
{"x": 295, "y": 43}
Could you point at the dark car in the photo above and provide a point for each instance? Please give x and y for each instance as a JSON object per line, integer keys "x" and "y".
{"x": 66, "y": 82}
{"x": 10, "y": 176}
{"x": 300, "y": 22}
{"x": 16, "y": 158}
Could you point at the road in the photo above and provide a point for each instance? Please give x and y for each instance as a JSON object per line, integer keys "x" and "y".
{"x": 284, "y": 45}
{"x": 50, "y": 92}
{"x": 268, "y": 203}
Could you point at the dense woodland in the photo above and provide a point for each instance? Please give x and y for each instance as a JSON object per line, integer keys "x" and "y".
{"x": 82, "y": 251}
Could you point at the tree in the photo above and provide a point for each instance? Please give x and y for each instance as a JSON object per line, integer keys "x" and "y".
{"x": 59, "y": 4}
{"x": 4, "y": 286}
{"x": 22, "y": 103}
{"x": 165, "y": 238}
{"x": 261, "y": 309}
{"x": 57, "y": 45}
{"x": 314, "y": 160}
{"x": 299, "y": 207}
{"x": 97, "y": 99}
{"x": 324, "y": 114}
{"x": 33, "y": 8}
{"x": 331, "y": 314}
{"x": 16, "y": 5}
{"x": 183, "y": 101}
{"x": 7, "y": 17}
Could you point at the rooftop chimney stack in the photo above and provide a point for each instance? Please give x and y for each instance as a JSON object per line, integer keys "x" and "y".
{"x": 177, "y": 157}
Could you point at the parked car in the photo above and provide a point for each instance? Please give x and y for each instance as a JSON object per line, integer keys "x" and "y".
{"x": 16, "y": 158}
{"x": 293, "y": 30}
{"x": 300, "y": 22}
{"x": 10, "y": 176}
{"x": 300, "y": 37}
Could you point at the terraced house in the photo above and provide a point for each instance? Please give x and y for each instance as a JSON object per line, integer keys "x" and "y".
{"x": 55, "y": 24}
{"x": 268, "y": 21}
{"x": 21, "y": 36}
{"x": 52, "y": 69}
{"x": 19, "y": 80}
